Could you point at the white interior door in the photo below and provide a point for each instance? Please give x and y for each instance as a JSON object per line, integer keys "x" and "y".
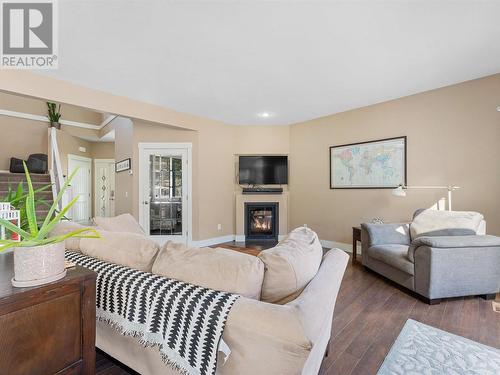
{"x": 104, "y": 187}
{"x": 80, "y": 186}
{"x": 164, "y": 189}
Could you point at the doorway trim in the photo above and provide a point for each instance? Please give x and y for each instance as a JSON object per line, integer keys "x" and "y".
{"x": 143, "y": 146}
{"x": 73, "y": 157}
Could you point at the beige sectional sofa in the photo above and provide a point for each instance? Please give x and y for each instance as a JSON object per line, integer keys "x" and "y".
{"x": 288, "y": 336}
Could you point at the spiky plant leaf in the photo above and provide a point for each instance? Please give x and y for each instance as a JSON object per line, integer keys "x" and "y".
{"x": 47, "y": 227}
{"x": 14, "y": 228}
{"x": 58, "y": 198}
{"x": 39, "y": 236}
{"x": 30, "y": 204}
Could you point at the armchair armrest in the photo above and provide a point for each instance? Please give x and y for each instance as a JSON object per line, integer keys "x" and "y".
{"x": 384, "y": 234}
{"x": 456, "y": 265}
{"x": 457, "y": 241}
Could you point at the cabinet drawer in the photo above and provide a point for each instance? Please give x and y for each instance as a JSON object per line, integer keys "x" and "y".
{"x": 43, "y": 338}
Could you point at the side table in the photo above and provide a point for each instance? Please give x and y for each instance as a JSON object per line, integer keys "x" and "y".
{"x": 47, "y": 329}
{"x": 356, "y": 236}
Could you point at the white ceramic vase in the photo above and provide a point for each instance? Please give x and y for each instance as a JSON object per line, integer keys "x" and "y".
{"x": 38, "y": 265}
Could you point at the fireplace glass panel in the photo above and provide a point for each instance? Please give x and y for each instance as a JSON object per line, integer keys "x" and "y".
{"x": 261, "y": 221}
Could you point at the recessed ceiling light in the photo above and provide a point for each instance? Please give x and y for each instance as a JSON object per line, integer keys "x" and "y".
{"x": 498, "y": 108}
{"x": 264, "y": 114}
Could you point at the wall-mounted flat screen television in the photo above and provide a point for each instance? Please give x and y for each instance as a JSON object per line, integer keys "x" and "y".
{"x": 263, "y": 170}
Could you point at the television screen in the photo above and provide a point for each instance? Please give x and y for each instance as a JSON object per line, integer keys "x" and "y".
{"x": 263, "y": 170}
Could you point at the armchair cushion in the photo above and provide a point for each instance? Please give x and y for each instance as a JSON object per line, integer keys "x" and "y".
{"x": 381, "y": 234}
{"x": 393, "y": 255}
{"x": 444, "y": 223}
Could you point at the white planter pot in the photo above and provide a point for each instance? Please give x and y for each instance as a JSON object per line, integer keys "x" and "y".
{"x": 38, "y": 265}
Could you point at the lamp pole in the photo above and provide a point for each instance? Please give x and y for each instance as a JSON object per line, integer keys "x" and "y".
{"x": 401, "y": 188}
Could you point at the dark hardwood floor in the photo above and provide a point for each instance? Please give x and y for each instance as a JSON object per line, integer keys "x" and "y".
{"x": 369, "y": 315}
{"x": 371, "y": 311}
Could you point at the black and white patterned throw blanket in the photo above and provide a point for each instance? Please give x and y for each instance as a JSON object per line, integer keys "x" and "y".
{"x": 185, "y": 321}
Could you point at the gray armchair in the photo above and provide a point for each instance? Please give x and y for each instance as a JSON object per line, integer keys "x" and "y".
{"x": 435, "y": 266}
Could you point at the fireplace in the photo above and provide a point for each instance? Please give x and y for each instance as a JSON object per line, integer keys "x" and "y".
{"x": 261, "y": 221}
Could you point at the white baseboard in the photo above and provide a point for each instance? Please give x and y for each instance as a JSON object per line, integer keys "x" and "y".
{"x": 339, "y": 245}
{"x": 213, "y": 241}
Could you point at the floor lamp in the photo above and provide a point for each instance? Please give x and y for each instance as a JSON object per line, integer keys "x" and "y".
{"x": 400, "y": 191}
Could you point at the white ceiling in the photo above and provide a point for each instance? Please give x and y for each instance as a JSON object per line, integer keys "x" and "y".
{"x": 296, "y": 60}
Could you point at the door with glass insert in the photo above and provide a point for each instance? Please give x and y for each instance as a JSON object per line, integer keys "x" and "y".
{"x": 165, "y": 194}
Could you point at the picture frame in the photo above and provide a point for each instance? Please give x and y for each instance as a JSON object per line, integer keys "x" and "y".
{"x": 123, "y": 165}
{"x": 376, "y": 164}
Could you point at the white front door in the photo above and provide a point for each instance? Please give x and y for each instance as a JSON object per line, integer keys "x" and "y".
{"x": 80, "y": 186}
{"x": 104, "y": 187}
{"x": 164, "y": 189}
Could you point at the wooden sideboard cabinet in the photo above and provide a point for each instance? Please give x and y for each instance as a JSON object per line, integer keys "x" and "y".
{"x": 49, "y": 329}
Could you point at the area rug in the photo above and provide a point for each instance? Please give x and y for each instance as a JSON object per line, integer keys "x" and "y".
{"x": 421, "y": 349}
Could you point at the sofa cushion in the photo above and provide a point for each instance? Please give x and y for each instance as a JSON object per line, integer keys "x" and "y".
{"x": 65, "y": 227}
{"x": 393, "y": 255}
{"x": 219, "y": 269}
{"x": 123, "y": 248}
{"x": 444, "y": 223}
{"x": 290, "y": 265}
{"x": 120, "y": 223}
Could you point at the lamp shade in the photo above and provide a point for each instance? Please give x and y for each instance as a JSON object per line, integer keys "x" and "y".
{"x": 399, "y": 191}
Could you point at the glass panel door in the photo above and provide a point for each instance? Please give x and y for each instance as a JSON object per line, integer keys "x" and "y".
{"x": 164, "y": 212}
{"x": 165, "y": 195}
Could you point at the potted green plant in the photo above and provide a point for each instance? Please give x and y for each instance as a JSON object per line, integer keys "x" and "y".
{"x": 17, "y": 199}
{"x": 54, "y": 112}
{"x": 38, "y": 258}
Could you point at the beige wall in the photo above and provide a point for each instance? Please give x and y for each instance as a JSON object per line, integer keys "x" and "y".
{"x": 15, "y": 131}
{"x": 102, "y": 150}
{"x": 453, "y": 138}
{"x": 69, "y": 145}
{"x": 19, "y": 138}
{"x": 214, "y": 151}
{"x": 123, "y": 149}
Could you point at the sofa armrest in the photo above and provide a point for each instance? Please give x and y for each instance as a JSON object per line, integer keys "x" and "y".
{"x": 442, "y": 272}
{"x": 457, "y": 241}
{"x": 384, "y": 234}
{"x": 291, "y": 339}
{"x": 264, "y": 338}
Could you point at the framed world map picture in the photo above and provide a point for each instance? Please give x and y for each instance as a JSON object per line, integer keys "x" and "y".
{"x": 379, "y": 164}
